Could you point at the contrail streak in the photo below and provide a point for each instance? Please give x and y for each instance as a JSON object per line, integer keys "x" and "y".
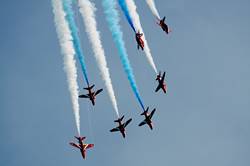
{"x": 136, "y": 20}
{"x": 67, "y": 5}
{"x": 87, "y": 10}
{"x": 67, "y": 49}
{"x": 151, "y": 4}
{"x": 124, "y": 8}
{"x": 112, "y": 18}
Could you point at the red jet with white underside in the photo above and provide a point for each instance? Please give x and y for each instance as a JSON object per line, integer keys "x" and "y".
{"x": 148, "y": 117}
{"x": 121, "y": 127}
{"x": 91, "y": 95}
{"x": 140, "y": 42}
{"x": 83, "y": 147}
{"x": 162, "y": 85}
{"x": 164, "y": 26}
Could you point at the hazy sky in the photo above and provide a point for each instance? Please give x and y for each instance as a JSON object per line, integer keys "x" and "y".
{"x": 204, "y": 119}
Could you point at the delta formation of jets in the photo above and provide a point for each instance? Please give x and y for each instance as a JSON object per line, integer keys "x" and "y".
{"x": 91, "y": 95}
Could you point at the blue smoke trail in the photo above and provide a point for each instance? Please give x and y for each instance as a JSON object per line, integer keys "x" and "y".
{"x": 112, "y": 18}
{"x": 67, "y": 6}
{"x": 124, "y": 7}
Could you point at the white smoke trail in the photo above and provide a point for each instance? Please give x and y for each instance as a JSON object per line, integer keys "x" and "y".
{"x": 67, "y": 49}
{"x": 87, "y": 10}
{"x": 151, "y": 4}
{"x": 136, "y": 20}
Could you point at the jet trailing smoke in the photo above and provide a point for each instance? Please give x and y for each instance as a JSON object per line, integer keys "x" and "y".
{"x": 136, "y": 20}
{"x": 87, "y": 10}
{"x": 151, "y": 4}
{"x": 67, "y": 5}
{"x": 112, "y": 18}
{"x": 67, "y": 49}
{"x": 124, "y": 8}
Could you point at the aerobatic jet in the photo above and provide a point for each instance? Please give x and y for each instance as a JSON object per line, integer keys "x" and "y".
{"x": 148, "y": 117}
{"x": 82, "y": 146}
{"x": 162, "y": 85}
{"x": 91, "y": 95}
{"x": 140, "y": 42}
{"x": 164, "y": 26}
{"x": 121, "y": 127}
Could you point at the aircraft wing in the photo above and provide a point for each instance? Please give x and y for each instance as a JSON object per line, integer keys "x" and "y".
{"x": 158, "y": 87}
{"x": 75, "y": 145}
{"x": 114, "y": 129}
{"x": 83, "y": 96}
{"x": 152, "y": 113}
{"x": 163, "y": 76}
{"x": 126, "y": 123}
{"x": 89, "y": 146}
{"x": 98, "y": 91}
{"x": 142, "y": 123}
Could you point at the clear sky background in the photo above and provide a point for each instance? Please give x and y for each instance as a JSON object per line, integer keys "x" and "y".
{"x": 204, "y": 120}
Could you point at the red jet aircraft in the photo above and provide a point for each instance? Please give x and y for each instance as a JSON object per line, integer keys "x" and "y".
{"x": 162, "y": 85}
{"x": 164, "y": 26}
{"x": 148, "y": 117}
{"x": 81, "y": 146}
{"x": 121, "y": 126}
{"x": 91, "y": 95}
{"x": 140, "y": 42}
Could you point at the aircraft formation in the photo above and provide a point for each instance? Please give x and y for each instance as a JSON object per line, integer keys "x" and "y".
{"x": 68, "y": 38}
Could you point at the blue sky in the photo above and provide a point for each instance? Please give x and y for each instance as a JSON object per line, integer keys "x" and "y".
{"x": 203, "y": 120}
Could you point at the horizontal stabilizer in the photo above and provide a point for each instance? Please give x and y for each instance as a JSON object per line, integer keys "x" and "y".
{"x": 119, "y": 119}
{"x": 145, "y": 111}
{"x": 80, "y": 138}
{"x": 90, "y": 87}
